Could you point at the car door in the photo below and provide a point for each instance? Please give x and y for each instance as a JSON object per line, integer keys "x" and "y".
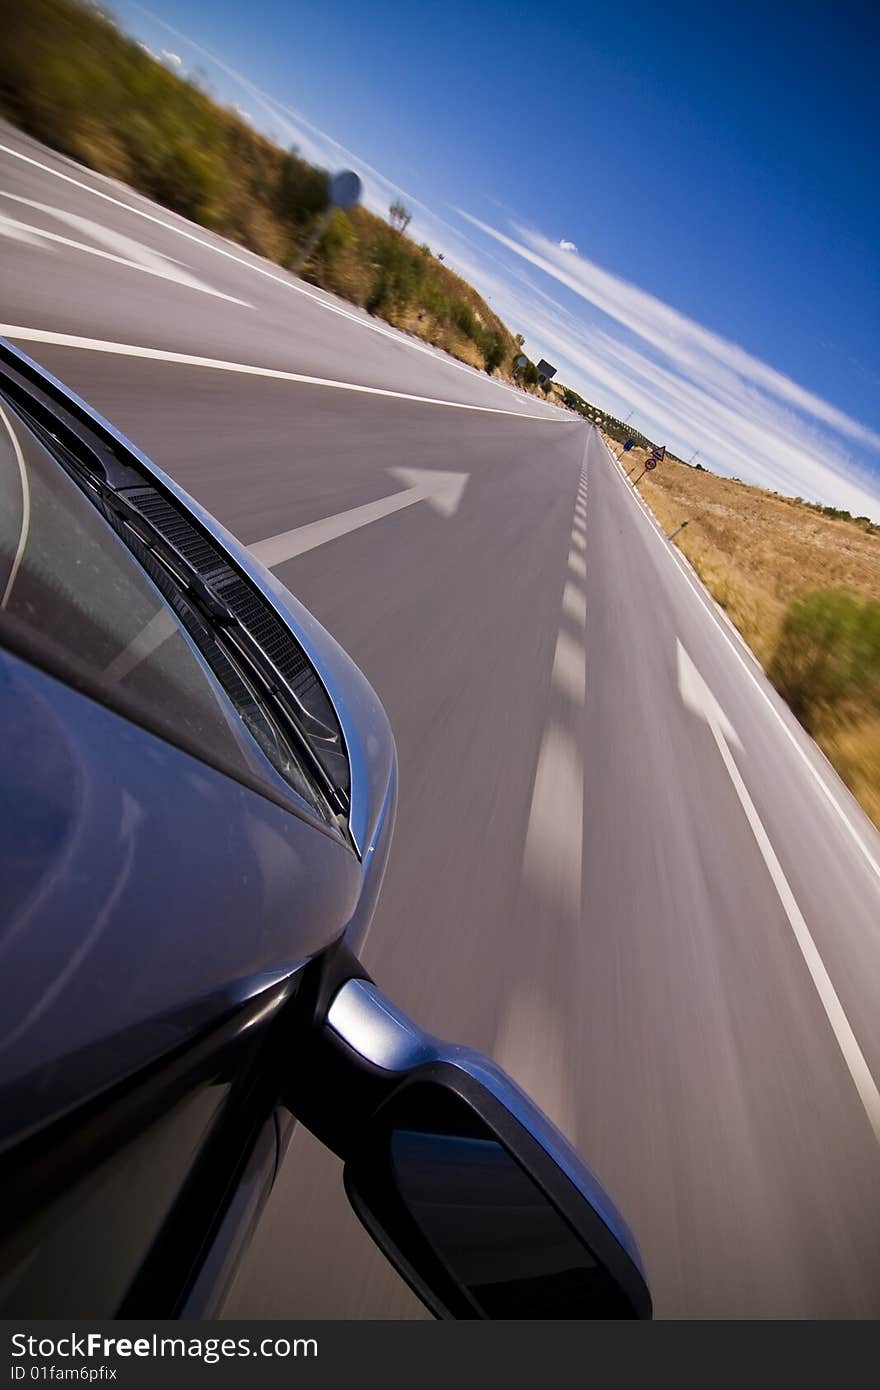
{"x": 167, "y": 874}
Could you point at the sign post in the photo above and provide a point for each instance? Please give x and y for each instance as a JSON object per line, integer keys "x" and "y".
{"x": 657, "y": 455}
{"x": 343, "y": 191}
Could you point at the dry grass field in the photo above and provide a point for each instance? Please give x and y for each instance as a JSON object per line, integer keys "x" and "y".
{"x": 761, "y": 554}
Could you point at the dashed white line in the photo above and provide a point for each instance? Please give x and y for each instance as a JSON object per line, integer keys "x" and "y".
{"x": 554, "y": 839}
{"x": 574, "y": 603}
{"x": 569, "y": 667}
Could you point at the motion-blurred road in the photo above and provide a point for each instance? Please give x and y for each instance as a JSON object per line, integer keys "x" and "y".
{"x": 620, "y": 867}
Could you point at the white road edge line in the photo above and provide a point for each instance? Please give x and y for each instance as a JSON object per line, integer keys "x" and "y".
{"x": 840, "y": 1025}
{"x": 25, "y": 509}
{"x": 291, "y": 284}
{"x": 19, "y": 334}
{"x": 708, "y": 604}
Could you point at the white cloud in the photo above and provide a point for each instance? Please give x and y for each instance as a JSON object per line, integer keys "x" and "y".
{"x": 173, "y": 58}
{"x": 567, "y": 246}
{"x": 668, "y": 330}
{"x": 693, "y": 387}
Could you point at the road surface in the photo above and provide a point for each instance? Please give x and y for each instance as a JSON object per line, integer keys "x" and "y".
{"x": 620, "y": 866}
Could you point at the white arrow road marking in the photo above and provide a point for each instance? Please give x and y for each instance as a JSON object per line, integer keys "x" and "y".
{"x": 124, "y": 250}
{"x": 443, "y": 491}
{"x": 697, "y": 696}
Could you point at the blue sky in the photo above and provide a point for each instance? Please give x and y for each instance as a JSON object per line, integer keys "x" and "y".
{"x": 677, "y": 204}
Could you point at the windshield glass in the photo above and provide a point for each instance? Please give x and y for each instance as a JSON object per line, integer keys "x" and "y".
{"x": 87, "y": 606}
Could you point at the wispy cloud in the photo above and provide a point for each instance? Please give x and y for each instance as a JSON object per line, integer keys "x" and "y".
{"x": 668, "y": 330}
{"x": 694, "y": 387}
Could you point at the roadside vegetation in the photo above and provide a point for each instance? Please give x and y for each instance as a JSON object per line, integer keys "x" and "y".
{"x": 802, "y": 584}
{"x": 72, "y": 79}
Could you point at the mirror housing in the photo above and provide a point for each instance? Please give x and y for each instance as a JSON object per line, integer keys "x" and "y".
{"x": 479, "y": 1202}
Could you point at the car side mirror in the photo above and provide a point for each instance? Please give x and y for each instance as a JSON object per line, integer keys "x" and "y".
{"x": 473, "y": 1195}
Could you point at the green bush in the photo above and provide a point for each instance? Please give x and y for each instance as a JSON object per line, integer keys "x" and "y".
{"x": 397, "y": 278}
{"x": 339, "y": 236}
{"x": 434, "y": 300}
{"x": 464, "y": 318}
{"x": 492, "y": 346}
{"x": 828, "y": 655}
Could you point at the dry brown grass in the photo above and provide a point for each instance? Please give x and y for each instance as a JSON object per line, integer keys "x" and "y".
{"x": 756, "y": 552}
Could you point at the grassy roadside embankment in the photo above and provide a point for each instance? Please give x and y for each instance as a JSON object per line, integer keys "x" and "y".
{"x": 72, "y": 79}
{"x": 803, "y": 588}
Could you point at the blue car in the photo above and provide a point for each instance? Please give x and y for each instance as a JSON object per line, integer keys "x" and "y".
{"x": 198, "y": 792}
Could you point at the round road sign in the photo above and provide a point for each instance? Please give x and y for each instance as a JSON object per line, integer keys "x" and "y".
{"x": 344, "y": 189}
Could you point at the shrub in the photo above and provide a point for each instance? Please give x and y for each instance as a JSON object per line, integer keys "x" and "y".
{"x": 493, "y": 351}
{"x": 827, "y": 660}
{"x": 339, "y": 237}
{"x": 464, "y": 318}
{"x": 398, "y": 276}
{"x": 434, "y": 299}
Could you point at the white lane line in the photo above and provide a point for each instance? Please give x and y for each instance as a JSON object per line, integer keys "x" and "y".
{"x": 840, "y": 1025}
{"x": 531, "y": 1039}
{"x": 569, "y": 668}
{"x": 25, "y": 509}
{"x": 296, "y": 287}
{"x": 19, "y": 334}
{"x": 574, "y": 603}
{"x": 708, "y": 604}
{"x": 554, "y": 838}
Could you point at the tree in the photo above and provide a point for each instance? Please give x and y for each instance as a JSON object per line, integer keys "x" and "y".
{"x": 399, "y": 216}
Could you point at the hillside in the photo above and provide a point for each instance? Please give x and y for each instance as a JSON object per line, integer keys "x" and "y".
{"x": 69, "y": 77}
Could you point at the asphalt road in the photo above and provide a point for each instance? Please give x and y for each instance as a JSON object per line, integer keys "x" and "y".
{"x": 620, "y": 866}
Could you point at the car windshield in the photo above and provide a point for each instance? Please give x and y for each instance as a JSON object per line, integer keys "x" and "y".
{"x": 88, "y": 610}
